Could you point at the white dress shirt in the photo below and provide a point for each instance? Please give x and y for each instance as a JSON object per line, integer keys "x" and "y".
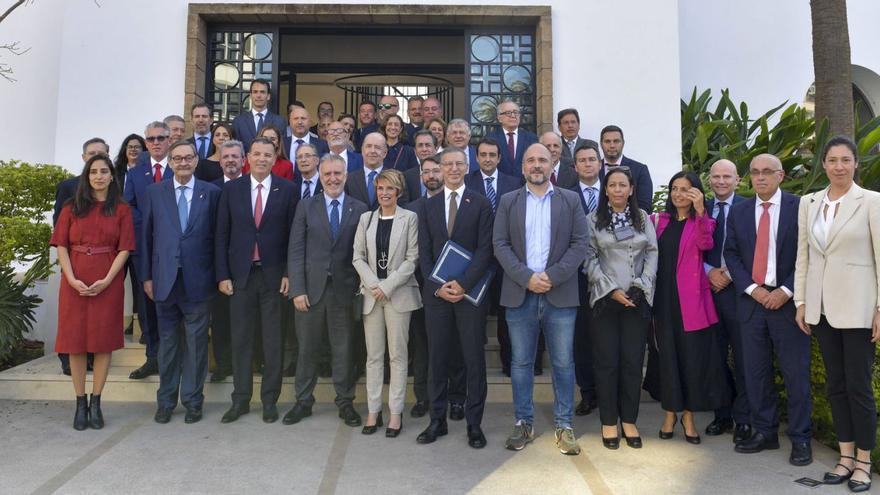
{"x": 446, "y": 194}
{"x": 256, "y": 114}
{"x": 267, "y": 184}
{"x": 775, "y": 202}
{"x": 494, "y": 177}
{"x": 515, "y": 138}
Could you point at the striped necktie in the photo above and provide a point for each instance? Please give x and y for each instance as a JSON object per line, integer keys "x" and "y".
{"x": 490, "y": 193}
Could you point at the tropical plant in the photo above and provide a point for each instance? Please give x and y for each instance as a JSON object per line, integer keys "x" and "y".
{"x": 16, "y": 311}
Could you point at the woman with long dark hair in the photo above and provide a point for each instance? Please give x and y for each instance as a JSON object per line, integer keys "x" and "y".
{"x": 689, "y": 374}
{"x": 400, "y": 155}
{"x": 621, "y": 265}
{"x": 209, "y": 169}
{"x": 94, "y": 236}
{"x": 126, "y": 158}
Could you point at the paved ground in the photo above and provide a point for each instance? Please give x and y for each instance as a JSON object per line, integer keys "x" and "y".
{"x": 42, "y": 454}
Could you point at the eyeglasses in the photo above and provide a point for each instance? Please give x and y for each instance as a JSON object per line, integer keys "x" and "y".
{"x": 133, "y": 147}
{"x": 155, "y": 139}
{"x": 387, "y": 106}
{"x": 511, "y": 113}
{"x": 336, "y": 131}
{"x": 184, "y": 158}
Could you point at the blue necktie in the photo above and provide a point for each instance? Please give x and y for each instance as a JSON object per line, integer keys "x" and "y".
{"x": 490, "y": 193}
{"x": 308, "y": 192}
{"x": 591, "y": 199}
{"x": 718, "y": 236}
{"x": 293, "y": 149}
{"x": 182, "y": 207}
{"x": 260, "y": 123}
{"x": 371, "y": 188}
{"x": 334, "y": 219}
{"x": 203, "y": 151}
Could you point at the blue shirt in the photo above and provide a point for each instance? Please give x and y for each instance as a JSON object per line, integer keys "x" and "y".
{"x": 538, "y": 229}
{"x": 328, "y": 200}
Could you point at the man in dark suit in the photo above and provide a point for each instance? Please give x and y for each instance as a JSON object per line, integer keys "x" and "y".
{"x": 359, "y": 183}
{"x": 569, "y": 122}
{"x": 247, "y": 125}
{"x": 723, "y": 180}
{"x": 366, "y": 123}
{"x": 760, "y": 252}
{"x": 414, "y": 114}
{"x": 458, "y": 134}
{"x": 201, "y": 119}
{"x": 587, "y": 162}
{"x": 425, "y": 145}
{"x": 306, "y": 182}
{"x": 540, "y": 290}
{"x": 563, "y": 174}
{"x": 299, "y": 133}
{"x": 464, "y": 217}
{"x": 612, "y": 142}
{"x": 337, "y": 140}
{"x": 177, "y": 258}
{"x": 513, "y": 139}
{"x": 253, "y": 228}
{"x": 323, "y": 283}
{"x": 324, "y": 111}
{"x": 153, "y": 169}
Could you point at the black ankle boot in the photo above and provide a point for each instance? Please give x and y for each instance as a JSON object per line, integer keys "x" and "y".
{"x": 96, "y": 418}
{"x": 81, "y": 419}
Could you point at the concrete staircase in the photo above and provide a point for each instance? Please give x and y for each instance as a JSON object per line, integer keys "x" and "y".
{"x": 41, "y": 379}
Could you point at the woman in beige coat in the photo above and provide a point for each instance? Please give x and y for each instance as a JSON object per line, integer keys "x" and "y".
{"x": 386, "y": 250}
{"x": 837, "y": 283}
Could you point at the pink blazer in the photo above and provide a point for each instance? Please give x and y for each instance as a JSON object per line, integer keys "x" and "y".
{"x": 694, "y": 290}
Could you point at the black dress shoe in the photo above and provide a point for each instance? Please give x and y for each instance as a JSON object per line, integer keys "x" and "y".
{"x": 437, "y": 428}
{"x": 96, "y": 417}
{"x": 193, "y": 416}
{"x": 419, "y": 409}
{"x": 612, "y": 443}
{"x": 506, "y": 371}
{"x": 633, "y": 442}
{"x": 163, "y": 415}
{"x": 219, "y": 374}
{"x": 151, "y": 367}
{"x": 370, "y": 429}
{"x": 832, "y": 478}
{"x": 393, "y": 432}
{"x": 65, "y": 370}
{"x": 476, "y": 439}
{"x": 801, "y": 454}
{"x": 142, "y": 340}
{"x": 235, "y": 412}
{"x": 81, "y": 416}
{"x": 349, "y": 415}
{"x": 270, "y": 413}
{"x": 719, "y": 427}
{"x": 585, "y": 407}
{"x": 129, "y": 329}
{"x": 741, "y": 432}
{"x": 297, "y": 414}
{"x": 757, "y": 443}
{"x": 456, "y": 411}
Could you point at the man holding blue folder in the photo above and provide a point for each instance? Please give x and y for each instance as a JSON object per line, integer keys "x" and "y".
{"x": 540, "y": 240}
{"x": 464, "y": 217}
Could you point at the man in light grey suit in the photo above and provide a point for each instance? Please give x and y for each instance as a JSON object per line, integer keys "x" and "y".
{"x": 540, "y": 258}
{"x": 323, "y": 283}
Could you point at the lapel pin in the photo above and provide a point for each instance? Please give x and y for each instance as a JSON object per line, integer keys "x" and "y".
{"x": 201, "y": 195}
{"x": 146, "y": 174}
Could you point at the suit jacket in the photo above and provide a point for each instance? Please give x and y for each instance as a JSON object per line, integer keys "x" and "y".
{"x": 694, "y": 291}
{"x": 165, "y": 248}
{"x": 472, "y": 231}
{"x": 566, "y": 153}
{"x": 413, "y": 181}
{"x": 503, "y": 185}
{"x": 245, "y": 129}
{"x": 642, "y": 179}
{"x": 297, "y": 188}
{"x": 718, "y": 250}
{"x": 568, "y": 245}
{"x": 400, "y": 286}
{"x": 137, "y": 180}
{"x": 356, "y": 186}
{"x": 355, "y": 161}
{"x": 237, "y": 233}
{"x": 210, "y": 142}
{"x": 313, "y": 255}
{"x": 360, "y": 133}
{"x": 512, "y": 165}
{"x": 849, "y": 257}
{"x": 473, "y": 165}
{"x": 64, "y": 191}
{"x": 739, "y": 248}
{"x": 318, "y": 143}
{"x": 567, "y": 178}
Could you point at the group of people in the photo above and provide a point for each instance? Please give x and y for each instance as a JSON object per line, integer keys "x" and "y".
{"x": 338, "y": 249}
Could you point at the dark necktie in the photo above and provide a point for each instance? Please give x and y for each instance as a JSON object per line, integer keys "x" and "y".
{"x": 591, "y": 199}
{"x": 511, "y": 148}
{"x": 453, "y": 210}
{"x": 718, "y": 235}
{"x": 308, "y": 192}
{"x": 334, "y": 219}
{"x": 553, "y": 178}
{"x": 371, "y": 187}
{"x": 260, "y": 123}
{"x": 293, "y": 149}
{"x": 203, "y": 150}
{"x": 490, "y": 193}
{"x": 157, "y": 175}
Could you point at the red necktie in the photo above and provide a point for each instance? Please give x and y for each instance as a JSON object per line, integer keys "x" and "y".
{"x": 762, "y": 246}
{"x": 511, "y": 149}
{"x": 553, "y": 178}
{"x": 258, "y": 217}
{"x": 157, "y": 177}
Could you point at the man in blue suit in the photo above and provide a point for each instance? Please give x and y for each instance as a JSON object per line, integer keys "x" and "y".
{"x": 177, "y": 259}
{"x": 248, "y": 124}
{"x": 611, "y": 139}
{"x": 723, "y": 180}
{"x": 250, "y": 252}
{"x": 458, "y": 134}
{"x": 299, "y": 133}
{"x": 760, "y": 252}
{"x": 153, "y": 168}
{"x": 513, "y": 139}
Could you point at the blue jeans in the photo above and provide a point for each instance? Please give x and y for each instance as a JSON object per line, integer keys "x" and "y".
{"x": 525, "y": 324}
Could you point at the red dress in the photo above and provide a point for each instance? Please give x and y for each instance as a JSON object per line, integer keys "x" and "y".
{"x": 92, "y": 323}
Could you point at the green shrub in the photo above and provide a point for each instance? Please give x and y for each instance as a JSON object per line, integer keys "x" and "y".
{"x": 16, "y": 311}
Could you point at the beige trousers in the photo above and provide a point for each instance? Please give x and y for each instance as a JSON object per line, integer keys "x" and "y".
{"x": 381, "y": 324}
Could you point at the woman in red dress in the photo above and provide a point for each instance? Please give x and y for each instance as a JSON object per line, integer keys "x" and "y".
{"x": 94, "y": 236}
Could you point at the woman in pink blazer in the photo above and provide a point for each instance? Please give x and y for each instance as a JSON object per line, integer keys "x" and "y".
{"x": 688, "y": 374}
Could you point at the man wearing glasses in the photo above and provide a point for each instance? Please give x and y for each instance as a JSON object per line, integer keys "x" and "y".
{"x": 337, "y": 139}
{"x": 153, "y": 169}
{"x": 513, "y": 139}
{"x": 388, "y": 105}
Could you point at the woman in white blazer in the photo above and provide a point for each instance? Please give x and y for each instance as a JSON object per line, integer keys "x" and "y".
{"x": 837, "y": 284}
{"x": 386, "y": 250}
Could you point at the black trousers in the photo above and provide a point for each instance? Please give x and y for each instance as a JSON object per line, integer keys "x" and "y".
{"x": 419, "y": 356}
{"x": 618, "y": 337}
{"x": 849, "y": 354}
{"x": 584, "y": 327}
{"x": 729, "y": 337}
{"x": 256, "y": 296}
{"x": 291, "y": 346}
{"x": 444, "y": 322}
{"x": 221, "y": 331}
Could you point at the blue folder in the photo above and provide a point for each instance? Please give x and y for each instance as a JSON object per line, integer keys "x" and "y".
{"x": 451, "y": 265}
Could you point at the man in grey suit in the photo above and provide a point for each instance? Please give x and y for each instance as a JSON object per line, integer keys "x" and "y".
{"x": 562, "y": 172}
{"x": 569, "y": 123}
{"x": 323, "y": 283}
{"x": 540, "y": 240}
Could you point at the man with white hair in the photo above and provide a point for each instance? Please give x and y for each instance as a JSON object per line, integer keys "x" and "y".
{"x": 458, "y": 134}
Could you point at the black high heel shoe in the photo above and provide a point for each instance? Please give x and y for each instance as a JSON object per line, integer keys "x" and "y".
{"x": 393, "y": 432}
{"x": 695, "y": 439}
{"x": 666, "y": 435}
{"x": 369, "y": 430}
{"x": 856, "y": 486}
{"x": 612, "y": 443}
{"x": 832, "y": 478}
